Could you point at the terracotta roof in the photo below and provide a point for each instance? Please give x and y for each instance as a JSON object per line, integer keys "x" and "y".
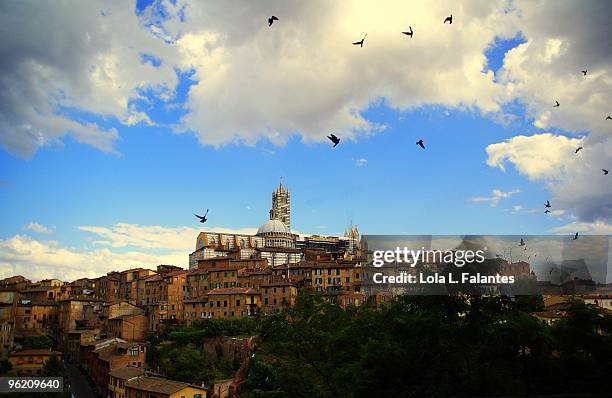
{"x": 277, "y": 283}
{"x": 261, "y": 271}
{"x": 232, "y": 290}
{"x": 177, "y": 272}
{"x": 81, "y": 331}
{"x": 549, "y": 314}
{"x": 107, "y": 353}
{"x": 126, "y": 372}
{"x": 90, "y": 299}
{"x": 197, "y": 272}
{"x": 157, "y": 385}
{"x": 41, "y": 351}
{"x": 126, "y": 316}
{"x": 109, "y": 340}
{"x": 197, "y": 300}
{"x": 40, "y": 289}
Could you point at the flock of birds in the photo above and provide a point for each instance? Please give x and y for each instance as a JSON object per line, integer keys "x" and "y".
{"x": 410, "y": 33}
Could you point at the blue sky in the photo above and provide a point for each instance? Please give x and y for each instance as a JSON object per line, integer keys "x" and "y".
{"x": 181, "y": 107}
{"x": 161, "y": 178}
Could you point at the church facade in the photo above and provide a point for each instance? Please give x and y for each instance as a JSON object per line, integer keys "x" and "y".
{"x": 273, "y": 240}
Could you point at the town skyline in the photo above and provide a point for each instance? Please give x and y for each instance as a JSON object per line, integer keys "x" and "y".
{"x": 131, "y": 119}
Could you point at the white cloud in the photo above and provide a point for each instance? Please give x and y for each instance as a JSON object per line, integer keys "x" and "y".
{"x": 496, "y": 196}
{"x": 79, "y": 59}
{"x": 302, "y": 77}
{"x": 517, "y": 209}
{"x": 124, "y": 246}
{"x": 557, "y": 213}
{"x": 36, "y": 227}
{"x": 598, "y": 227}
{"x": 575, "y": 179}
{"x": 123, "y": 235}
{"x": 361, "y": 162}
{"x": 34, "y": 259}
{"x": 539, "y": 156}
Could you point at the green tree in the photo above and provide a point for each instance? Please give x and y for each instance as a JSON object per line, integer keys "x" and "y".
{"x": 37, "y": 342}
{"x": 53, "y": 367}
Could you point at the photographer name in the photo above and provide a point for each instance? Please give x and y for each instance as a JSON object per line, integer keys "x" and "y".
{"x": 436, "y": 278}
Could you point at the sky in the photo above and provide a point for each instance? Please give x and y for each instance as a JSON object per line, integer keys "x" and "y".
{"x": 118, "y": 121}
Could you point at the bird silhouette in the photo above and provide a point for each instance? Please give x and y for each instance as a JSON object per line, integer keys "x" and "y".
{"x": 575, "y": 236}
{"x": 334, "y": 139}
{"x": 605, "y": 171}
{"x": 420, "y": 143}
{"x": 578, "y": 149}
{"x": 449, "y": 19}
{"x": 546, "y": 211}
{"x": 584, "y": 72}
{"x": 410, "y": 33}
{"x": 522, "y": 243}
{"x": 271, "y": 20}
{"x": 556, "y": 104}
{"x": 202, "y": 218}
{"x": 360, "y": 42}
{"x": 547, "y": 204}
{"x": 609, "y": 117}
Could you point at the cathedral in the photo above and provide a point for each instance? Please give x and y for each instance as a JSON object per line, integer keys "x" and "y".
{"x": 273, "y": 241}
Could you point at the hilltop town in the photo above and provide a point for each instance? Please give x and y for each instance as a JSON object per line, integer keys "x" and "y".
{"x": 102, "y": 323}
{"x": 104, "y": 326}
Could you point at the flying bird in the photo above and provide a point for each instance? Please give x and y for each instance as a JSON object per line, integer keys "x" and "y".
{"x": 547, "y": 204}
{"x": 334, "y": 139}
{"x": 271, "y": 20}
{"x": 410, "y": 33}
{"x": 360, "y": 42}
{"x": 522, "y": 243}
{"x": 546, "y": 211}
{"x": 575, "y": 236}
{"x": 556, "y": 104}
{"x": 605, "y": 171}
{"x": 609, "y": 117}
{"x": 578, "y": 149}
{"x": 202, "y": 218}
{"x": 420, "y": 143}
{"x": 584, "y": 72}
{"x": 449, "y": 19}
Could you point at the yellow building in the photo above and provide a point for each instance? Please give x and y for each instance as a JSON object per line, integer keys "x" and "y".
{"x": 236, "y": 302}
{"x": 31, "y": 362}
{"x": 118, "y": 377}
{"x": 157, "y": 387}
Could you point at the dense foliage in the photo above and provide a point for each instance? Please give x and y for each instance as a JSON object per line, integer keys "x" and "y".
{"x": 177, "y": 352}
{"x": 37, "y": 342}
{"x": 430, "y": 346}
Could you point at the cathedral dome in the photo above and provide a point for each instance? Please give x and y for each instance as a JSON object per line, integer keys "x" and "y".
{"x": 273, "y": 226}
